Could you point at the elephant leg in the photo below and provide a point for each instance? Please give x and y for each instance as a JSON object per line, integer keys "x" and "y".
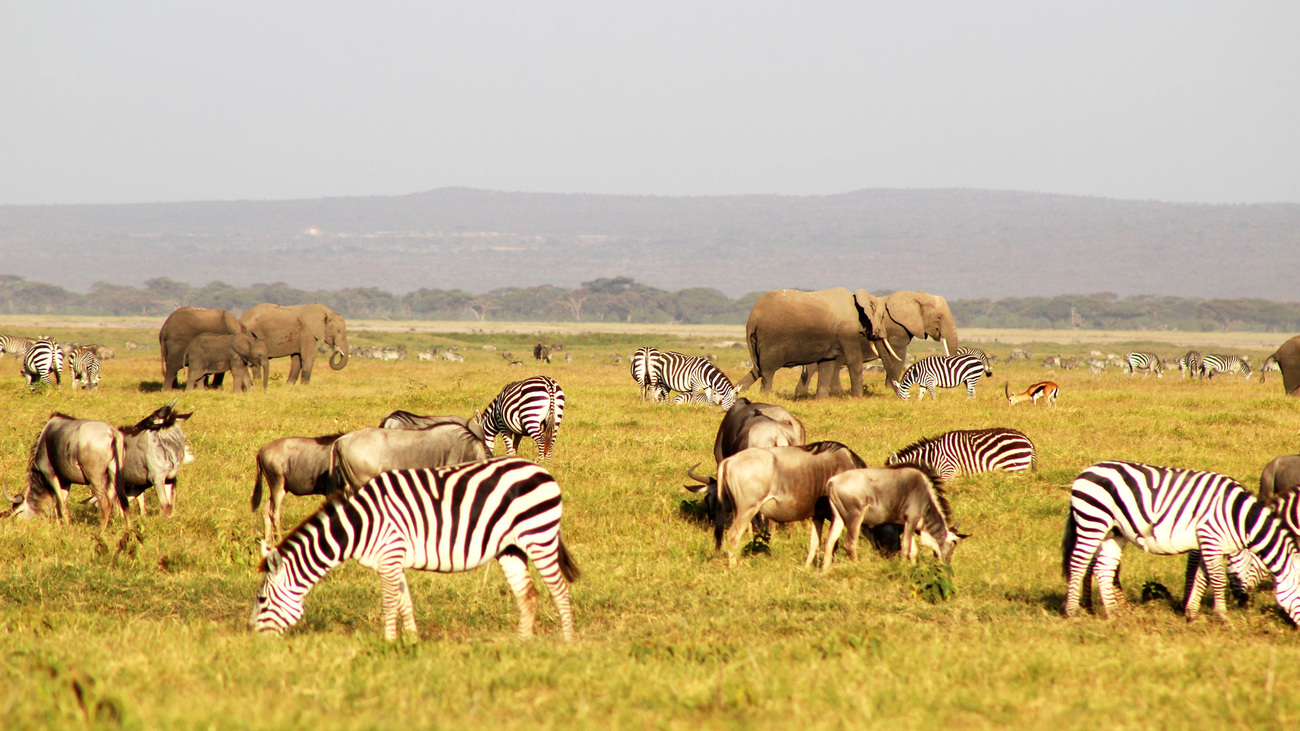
{"x": 855, "y": 377}
{"x": 805, "y": 377}
{"x": 741, "y": 385}
{"x": 217, "y": 379}
{"x": 295, "y": 367}
{"x": 308, "y": 358}
{"x": 828, "y": 375}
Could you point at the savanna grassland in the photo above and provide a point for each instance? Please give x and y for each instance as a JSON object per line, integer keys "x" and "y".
{"x": 109, "y": 633}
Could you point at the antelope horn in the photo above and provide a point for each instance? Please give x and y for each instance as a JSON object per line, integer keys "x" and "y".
{"x": 697, "y": 478}
{"x": 1006, "y": 386}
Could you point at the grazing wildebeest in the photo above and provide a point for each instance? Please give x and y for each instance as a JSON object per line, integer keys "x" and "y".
{"x": 1280, "y": 476}
{"x": 541, "y": 352}
{"x": 406, "y": 420}
{"x": 71, "y": 451}
{"x": 747, "y": 424}
{"x": 300, "y": 465}
{"x": 909, "y": 494}
{"x": 358, "y": 456}
{"x": 782, "y": 484}
{"x": 155, "y": 449}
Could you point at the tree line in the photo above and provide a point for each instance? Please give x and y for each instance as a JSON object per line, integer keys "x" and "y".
{"x": 622, "y": 299}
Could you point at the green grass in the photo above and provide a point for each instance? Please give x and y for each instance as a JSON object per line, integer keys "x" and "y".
{"x": 668, "y": 636}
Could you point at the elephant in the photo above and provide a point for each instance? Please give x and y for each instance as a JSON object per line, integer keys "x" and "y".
{"x": 214, "y": 354}
{"x": 184, "y": 325}
{"x": 1280, "y": 477}
{"x": 908, "y": 315}
{"x": 295, "y": 330}
{"x": 1288, "y": 360}
{"x": 788, "y": 328}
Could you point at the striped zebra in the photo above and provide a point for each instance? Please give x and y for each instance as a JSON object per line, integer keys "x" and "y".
{"x": 83, "y": 364}
{"x": 705, "y": 397}
{"x": 1148, "y": 363}
{"x": 944, "y": 371}
{"x": 1214, "y": 363}
{"x": 1245, "y": 571}
{"x": 42, "y": 360}
{"x": 14, "y": 345}
{"x": 532, "y": 407}
{"x": 1190, "y": 364}
{"x": 645, "y": 371}
{"x": 969, "y": 451}
{"x": 985, "y": 358}
{"x": 447, "y": 520}
{"x": 1169, "y": 511}
{"x": 691, "y": 374}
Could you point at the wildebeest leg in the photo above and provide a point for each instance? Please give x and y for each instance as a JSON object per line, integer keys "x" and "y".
{"x": 814, "y": 537}
{"x": 516, "y": 570}
{"x": 396, "y": 601}
{"x": 909, "y": 540}
{"x": 837, "y": 527}
{"x": 271, "y": 510}
{"x": 739, "y": 524}
{"x": 60, "y": 497}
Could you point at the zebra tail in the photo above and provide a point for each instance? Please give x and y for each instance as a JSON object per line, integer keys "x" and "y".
{"x": 257, "y": 487}
{"x": 568, "y": 567}
{"x": 548, "y": 425}
{"x": 1068, "y": 542}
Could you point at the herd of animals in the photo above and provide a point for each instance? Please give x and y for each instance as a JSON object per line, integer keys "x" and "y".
{"x": 424, "y": 492}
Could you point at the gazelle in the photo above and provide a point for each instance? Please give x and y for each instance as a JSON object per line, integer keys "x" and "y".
{"x": 1042, "y": 389}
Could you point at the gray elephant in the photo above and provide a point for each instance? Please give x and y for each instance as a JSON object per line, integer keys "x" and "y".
{"x": 908, "y": 315}
{"x": 184, "y": 325}
{"x": 295, "y": 330}
{"x": 789, "y": 328}
{"x": 1280, "y": 477}
{"x": 214, "y": 354}
{"x": 1288, "y": 361}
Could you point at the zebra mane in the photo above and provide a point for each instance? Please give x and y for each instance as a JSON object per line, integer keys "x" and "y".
{"x": 829, "y": 446}
{"x": 937, "y": 494}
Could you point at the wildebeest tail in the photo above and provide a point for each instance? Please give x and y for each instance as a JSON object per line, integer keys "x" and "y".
{"x": 119, "y": 474}
{"x": 341, "y": 475}
{"x": 257, "y": 486}
{"x": 1068, "y": 542}
{"x": 726, "y": 510}
{"x": 568, "y": 567}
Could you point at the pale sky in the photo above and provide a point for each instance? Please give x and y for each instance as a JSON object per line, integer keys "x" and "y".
{"x": 117, "y": 102}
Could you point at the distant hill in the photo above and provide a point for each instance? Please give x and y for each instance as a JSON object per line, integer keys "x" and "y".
{"x": 960, "y": 243}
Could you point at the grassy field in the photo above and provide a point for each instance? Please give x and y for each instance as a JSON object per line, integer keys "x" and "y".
{"x": 668, "y": 636}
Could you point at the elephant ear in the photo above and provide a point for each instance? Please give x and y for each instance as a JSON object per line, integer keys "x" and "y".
{"x": 905, "y": 309}
{"x": 871, "y": 314}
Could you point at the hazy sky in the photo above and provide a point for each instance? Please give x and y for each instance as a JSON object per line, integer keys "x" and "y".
{"x": 108, "y": 102}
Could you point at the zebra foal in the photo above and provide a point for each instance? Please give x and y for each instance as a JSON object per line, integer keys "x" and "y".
{"x": 969, "y": 451}
{"x": 943, "y": 371}
{"x": 532, "y": 407}
{"x": 1167, "y": 511}
{"x": 447, "y": 520}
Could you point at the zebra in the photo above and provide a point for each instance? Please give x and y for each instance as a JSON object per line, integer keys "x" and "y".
{"x": 1218, "y": 363}
{"x": 1166, "y": 510}
{"x": 448, "y": 520}
{"x": 14, "y": 345}
{"x": 1245, "y": 571}
{"x": 944, "y": 371}
{"x": 985, "y": 358}
{"x": 645, "y": 371}
{"x": 692, "y": 374}
{"x": 83, "y": 364}
{"x": 969, "y": 451}
{"x": 704, "y": 397}
{"x": 42, "y": 360}
{"x": 1190, "y": 364}
{"x": 532, "y": 407}
{"x": 1148, "y": 363}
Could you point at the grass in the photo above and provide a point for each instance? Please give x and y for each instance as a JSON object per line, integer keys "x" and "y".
{"x": 668, "y": 637}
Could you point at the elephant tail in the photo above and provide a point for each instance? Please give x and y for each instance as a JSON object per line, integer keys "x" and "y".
{"x": 756, "y": 369}
{"x": 1263, "y": 368}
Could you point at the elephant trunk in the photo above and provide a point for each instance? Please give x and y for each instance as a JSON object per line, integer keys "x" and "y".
{"x": 338, "y": 360}
{"x": 266, "y": 371}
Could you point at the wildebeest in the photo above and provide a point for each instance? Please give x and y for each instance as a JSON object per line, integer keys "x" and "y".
{"x": 71, "y": 451}
{"x": 782, "y": 484}
{"x": 356, "y": 457}
{"x": 747, "y": 424}
{"x": 909, "y": 494}
{"x": 300, "y": 465}
{"x": 155, "y": 449}
{"x": 1279, "y": 477}
{"x": 406, "y": 420}
{"x": 541, "y": 352}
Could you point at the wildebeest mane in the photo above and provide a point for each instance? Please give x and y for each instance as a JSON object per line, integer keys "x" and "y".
{"x": 936, "y": 485}
{"x": 829, "y": 446}
{"x": 327, "y": 439}
{"x": 166, "y": 413}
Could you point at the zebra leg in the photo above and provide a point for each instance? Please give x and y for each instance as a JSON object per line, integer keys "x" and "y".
{"x": 512, "y": 443}
{"x": 1106, "y": 572}
{"x": 396, "y": 602}
{"x": 1193, "y": 586}
{"x": 1212, "y": 560}
{"x": 547, "y": 560}
{"x": 515, "y": 566}
{"x": 970, "y": 389}
{"x": 1081, "y": 560}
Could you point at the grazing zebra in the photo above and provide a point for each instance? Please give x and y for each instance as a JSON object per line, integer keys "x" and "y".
{"x": 42, "y": 360}
{"x": 985, "y": 358}
{"x": 645, "y": 371}
{"x": 704, "y": 397}
{"x": 1148, "y": 363}
{"x": 1168, "y": 511}
{"x": 944, "y": 371}
{"x": 447, "y": 520}
{"x": 532, "y": 407}
{"x": 1190, "y": 364}
{"x": 14, "y": 345}
{"x": 84, "y": 366}
{"x": 692, "y": 374}
{"x": 1218, "y": 363}
{"x": 1245, "y": 571}
{"x": 968, "y": 451}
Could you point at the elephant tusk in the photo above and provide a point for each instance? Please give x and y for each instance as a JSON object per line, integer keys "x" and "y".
{"x": 890, "y": 348}
{"x": 945, "y": 346}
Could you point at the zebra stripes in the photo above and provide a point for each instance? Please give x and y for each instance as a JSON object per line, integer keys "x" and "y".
{"x": 943, "y": 371}
{"x": 14, "y": 345}
{"x": 84, "y": 366}
{"x": 985, "y": 358}
{"x": 1190, "y": 364}
{"x": 691, "y": 374}
{"x": 1219, "y": 363}
{"x": 532, "y": 407}
{"x": 1166, "y": 511}
{"x": 645, "y": 371}
{"x": 969, "y": 451}
{"x": 1245, "y": 570}
{"x": 1148, "y": 363}
{"x": 42, "y": 360}
{"x": 447, "y": 520}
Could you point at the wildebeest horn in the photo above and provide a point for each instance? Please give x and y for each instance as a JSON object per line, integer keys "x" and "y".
{"x": 691, "y": 471}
